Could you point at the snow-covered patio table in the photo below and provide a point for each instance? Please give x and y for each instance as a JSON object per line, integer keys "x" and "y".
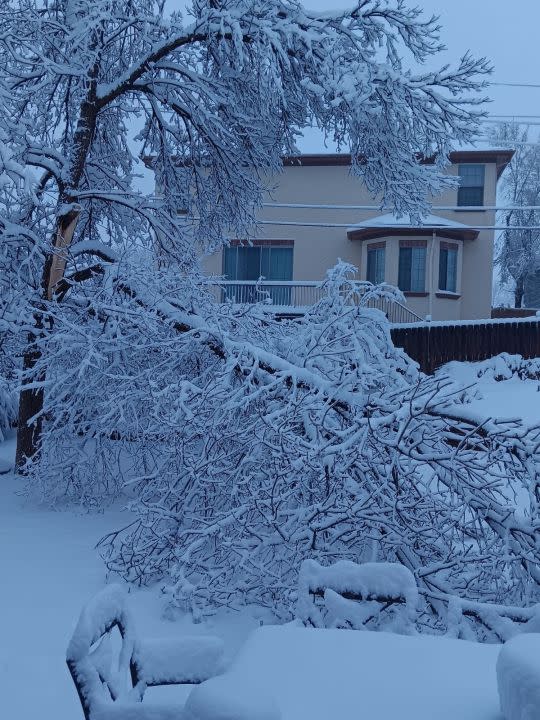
{"x": 296, "y": 673}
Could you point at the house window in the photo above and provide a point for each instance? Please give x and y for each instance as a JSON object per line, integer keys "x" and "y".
{"x": 471, "y": 185}
{"x": 375, "y": 263}
{"x": 268, "y": 259}
{"x": 412, "y": 266}
{"x": 448, "y": 254}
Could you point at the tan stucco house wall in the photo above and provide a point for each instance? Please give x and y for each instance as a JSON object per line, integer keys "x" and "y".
{"x": 326, "y": 180}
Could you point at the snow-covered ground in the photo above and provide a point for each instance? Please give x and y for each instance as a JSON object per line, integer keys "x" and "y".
{"x": 505, "y": 399}
{"x": 49, "y": 568}
{"x": 337, "y": 674}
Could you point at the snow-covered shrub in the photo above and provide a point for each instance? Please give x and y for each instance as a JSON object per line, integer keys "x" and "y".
{"x": 506, "y": 366}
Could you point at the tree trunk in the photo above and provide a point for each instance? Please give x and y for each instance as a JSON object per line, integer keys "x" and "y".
{"x": 519, "y": 292}
{"x": 30, "y": 404}
{"x": 30, "y": 427}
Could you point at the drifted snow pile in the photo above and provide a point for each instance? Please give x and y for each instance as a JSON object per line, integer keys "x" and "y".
{"x": 518, "y": 677}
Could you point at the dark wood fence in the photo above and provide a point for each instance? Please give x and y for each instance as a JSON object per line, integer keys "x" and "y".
{"x": 435, "y": 344}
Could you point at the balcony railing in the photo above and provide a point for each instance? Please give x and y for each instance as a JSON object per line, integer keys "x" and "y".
{"x": 293, "y": 297}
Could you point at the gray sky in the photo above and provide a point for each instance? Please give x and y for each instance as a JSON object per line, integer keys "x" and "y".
{"x": 507, "y": 33}
{"x": 504, "y": 32}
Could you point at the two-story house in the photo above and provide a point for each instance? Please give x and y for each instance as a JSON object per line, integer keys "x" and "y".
{"x": 318, "y": 212}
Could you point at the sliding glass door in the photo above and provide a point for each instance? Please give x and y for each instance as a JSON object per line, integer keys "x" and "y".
{"x": 249, "y": 263}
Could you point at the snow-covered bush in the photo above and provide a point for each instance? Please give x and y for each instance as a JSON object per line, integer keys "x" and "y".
{"x": 506, "y": 366}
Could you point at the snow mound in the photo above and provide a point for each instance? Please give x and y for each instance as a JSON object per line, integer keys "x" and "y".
{"x": 178, "y": 660}
{"x": 318, "y": 674}
{"x": 345, "y": 583}
{"x": 137, "y": 711}
{"x": 518, "y": 677}
{"x": 228, "y": 698}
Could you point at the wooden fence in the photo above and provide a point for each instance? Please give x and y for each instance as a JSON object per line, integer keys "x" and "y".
{"x": 435, "y": 344}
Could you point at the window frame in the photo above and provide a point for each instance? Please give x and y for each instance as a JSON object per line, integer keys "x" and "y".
{"x": 445, "y": 248}
{"x": 376, "y": 251}
{"x": 411, "y": 249}
{"x": 465, "y": 186}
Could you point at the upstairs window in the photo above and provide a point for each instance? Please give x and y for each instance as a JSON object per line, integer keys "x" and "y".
{"x": 448, "y": 254}
{"x": 412, "y": 266}
{"x": 375, "y": 263}
{"x": 471, "y": 185}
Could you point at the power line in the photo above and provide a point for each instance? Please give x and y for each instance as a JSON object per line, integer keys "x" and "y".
{"x": 515, "y": 84}
{"x": 498, "y": 122}
{"x": 496, "y": 116}
{"x": 295, "y": 223}
{"x": 457, "y": 208}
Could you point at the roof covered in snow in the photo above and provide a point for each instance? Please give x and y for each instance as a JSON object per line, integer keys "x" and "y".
{"x": 389, "y": 224}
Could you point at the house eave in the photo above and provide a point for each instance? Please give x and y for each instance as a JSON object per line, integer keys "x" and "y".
{"x": 372, "y": 233}
{"x": 500, "y": 158}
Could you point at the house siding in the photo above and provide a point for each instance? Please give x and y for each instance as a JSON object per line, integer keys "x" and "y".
{"x": 318, "y": 248}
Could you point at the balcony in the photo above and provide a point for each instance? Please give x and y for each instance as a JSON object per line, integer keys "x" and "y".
{"x": 290, "y": 298}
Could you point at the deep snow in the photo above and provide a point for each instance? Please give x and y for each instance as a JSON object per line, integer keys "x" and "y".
{"x": 337, "y": 674}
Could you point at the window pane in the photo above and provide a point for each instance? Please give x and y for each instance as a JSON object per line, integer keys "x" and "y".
{"x": 471, "y": 184}
{"x": 443, "y": 268}
{"x": 229, "y": 262}
{"x": 375, "y": 265}
{"x": 418, "y": 269}
{"x": 471, "y": 175}
{"x": 281, "y": 267}
{"x": 470, "y": 196}
{"x": 281, "y": 263}
{"x": 379, "y": 265}
{"x": 249, "y": 263}
{"x": 265, "y": 262}
{"x": 451, "y": 274}
{"x": 404, "y": 275}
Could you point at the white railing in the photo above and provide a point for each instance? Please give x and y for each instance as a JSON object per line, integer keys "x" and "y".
{"x": 295, "y": 295}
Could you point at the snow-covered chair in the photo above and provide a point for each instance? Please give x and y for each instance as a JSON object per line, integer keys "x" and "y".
{"x": 518, "y": 677}
{"x": 349, "y": 595}
{"x": 110, "y": 684}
